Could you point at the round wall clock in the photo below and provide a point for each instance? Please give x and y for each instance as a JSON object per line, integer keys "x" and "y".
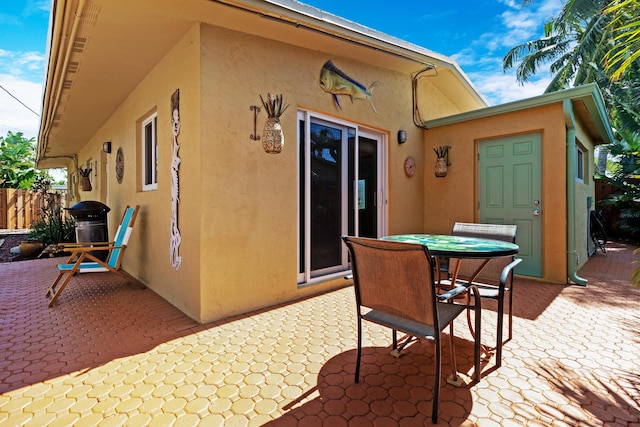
{"x": 119, "y": 165}
{"x": 409, "y": 166}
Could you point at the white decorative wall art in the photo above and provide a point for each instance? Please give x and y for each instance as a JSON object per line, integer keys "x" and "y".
{"x": 176, "y": 238}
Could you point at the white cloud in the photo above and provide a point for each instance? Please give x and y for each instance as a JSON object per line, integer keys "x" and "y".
{"x": 503, "y": 88}
{"x": 484, "y": 55}
{"x": 13, "y": 115}
{"x": 24, "y": 64}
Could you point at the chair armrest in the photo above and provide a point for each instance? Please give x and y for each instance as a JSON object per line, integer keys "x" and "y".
{"x": 505, "y": 271}
{"x": 463, "y": 288}
{"x": 81, "y": 244}
{"x": 79, "y": 249}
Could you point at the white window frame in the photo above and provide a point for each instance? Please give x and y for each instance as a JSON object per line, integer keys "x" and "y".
{"x": 150, "y": 158}
{"x": 580, "y": 163}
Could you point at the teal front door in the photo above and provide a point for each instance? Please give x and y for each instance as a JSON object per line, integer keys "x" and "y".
{"x": 510, "y": 192}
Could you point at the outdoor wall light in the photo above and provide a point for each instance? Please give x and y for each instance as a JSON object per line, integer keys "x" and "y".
{"x": 402, "y": 136}
{"x": 106, "y": 147}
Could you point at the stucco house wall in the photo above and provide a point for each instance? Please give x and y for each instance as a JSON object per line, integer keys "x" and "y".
{"x": 238, "y": 205}
{"x": 147, "y": 256}
{"x": 455, "y": 197}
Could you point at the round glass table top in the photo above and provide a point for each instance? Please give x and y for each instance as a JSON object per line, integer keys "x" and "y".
{"x": 458, "y": 246}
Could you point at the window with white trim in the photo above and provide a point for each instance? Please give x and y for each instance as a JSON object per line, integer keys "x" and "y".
{"x": 580, "y": 163}
{"x": 149, "y": 153}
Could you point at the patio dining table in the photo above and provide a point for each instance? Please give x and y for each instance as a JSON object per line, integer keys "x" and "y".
{"x": 447, "y": 246}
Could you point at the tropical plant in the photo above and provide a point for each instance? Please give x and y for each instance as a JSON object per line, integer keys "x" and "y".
{"x": 624, "y": 176}
{"x": 17, "y": 161}
{"x": 52, "y": 226}
{"x": 579, "y": 44}
{"x": 626, "y": 29}
{"x": 574, "y": 44}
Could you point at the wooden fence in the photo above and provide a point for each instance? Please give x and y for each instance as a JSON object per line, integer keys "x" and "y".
{"x": 19, "y": 208}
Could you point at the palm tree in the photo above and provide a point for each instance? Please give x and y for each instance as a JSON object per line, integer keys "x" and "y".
{"x": 574, "y": 43}
{"x": 579, "y": 45}
{"x": 626, "y": 29}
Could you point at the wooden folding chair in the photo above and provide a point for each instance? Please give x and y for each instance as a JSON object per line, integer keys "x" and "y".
{"x": 84, "y": 260}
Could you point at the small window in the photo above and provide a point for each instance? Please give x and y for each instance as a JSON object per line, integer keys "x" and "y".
{"x": 580, "y": 163}
{"x": 150, "y": 153}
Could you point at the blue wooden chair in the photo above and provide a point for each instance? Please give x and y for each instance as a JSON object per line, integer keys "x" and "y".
{"x": 83, "y": 256}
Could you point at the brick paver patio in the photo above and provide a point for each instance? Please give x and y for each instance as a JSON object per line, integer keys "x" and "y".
{"x": 109, "y": 354}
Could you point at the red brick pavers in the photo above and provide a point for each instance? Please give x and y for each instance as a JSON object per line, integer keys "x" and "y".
{"x": 111, "y": 354}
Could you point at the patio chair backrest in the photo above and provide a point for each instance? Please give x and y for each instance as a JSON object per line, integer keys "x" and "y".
{"x": 122, "y": 235}
{"x": 393, "y": 277}
{"x": 492, "y": 271}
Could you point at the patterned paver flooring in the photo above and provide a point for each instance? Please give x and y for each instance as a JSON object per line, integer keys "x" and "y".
{"x": 109, "y": 354}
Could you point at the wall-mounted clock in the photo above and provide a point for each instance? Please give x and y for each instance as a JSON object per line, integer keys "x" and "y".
{"x": 119, "y": 165}
{"x": 409, "y": 166}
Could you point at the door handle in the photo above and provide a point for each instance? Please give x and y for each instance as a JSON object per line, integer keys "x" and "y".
{"x": 536, "y": 212}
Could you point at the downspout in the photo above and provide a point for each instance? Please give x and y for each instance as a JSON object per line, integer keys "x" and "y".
{"x": 572, "y": 274}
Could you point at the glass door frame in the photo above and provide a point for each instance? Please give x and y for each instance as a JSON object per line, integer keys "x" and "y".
{"x": 307, "y": 276}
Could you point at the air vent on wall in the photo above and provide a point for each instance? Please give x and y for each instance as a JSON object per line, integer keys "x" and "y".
{"x": 73, "y": 66}
{"x": 67, "y": 84}
{"x": 79, "y": 44}
{"x": 90, "y": 14}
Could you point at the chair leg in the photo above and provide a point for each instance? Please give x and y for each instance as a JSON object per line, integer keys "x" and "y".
{"x": 499, "y": 332}
{"x": 52, "y": 288}
{"x": 359, "y": 354}
{"x": 436, "y": 385}
{"x": 477, "y": 338}
{"x": 62, "y": 286}
{"x": 452, "y": 350}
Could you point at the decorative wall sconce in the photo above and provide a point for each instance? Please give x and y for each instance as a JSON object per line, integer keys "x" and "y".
{"x": 442, "y": 160}
{"x": 106, "y": 147}
{"x": 85, "y": 182}
{"x": 273, "y": 137}
{"x": 402, "y": 136}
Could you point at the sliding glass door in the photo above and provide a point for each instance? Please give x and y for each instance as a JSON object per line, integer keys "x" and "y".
{"x": 341, "y": 191}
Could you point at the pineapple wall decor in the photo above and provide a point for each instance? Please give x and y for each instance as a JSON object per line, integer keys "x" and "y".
{"x": 442, "y": 160}
{"x": 273, "y": 138}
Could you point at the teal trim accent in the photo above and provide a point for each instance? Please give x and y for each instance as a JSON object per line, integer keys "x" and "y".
{"x": 572, "y": 274}
{"x": 589, "y": 94}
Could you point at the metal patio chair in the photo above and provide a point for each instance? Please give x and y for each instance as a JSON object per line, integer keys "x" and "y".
{"x": 494, "y": 280}
{"x": 394, "y": 287}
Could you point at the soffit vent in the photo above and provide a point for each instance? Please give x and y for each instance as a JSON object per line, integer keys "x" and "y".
{"x": 90, "y": 14}
{"x": 73, "y": 66}
{"x": 67, "y": 84}
{"x": 79, "y": 44}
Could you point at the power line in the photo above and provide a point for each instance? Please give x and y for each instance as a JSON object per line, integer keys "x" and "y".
{"x": 23, "y": 104}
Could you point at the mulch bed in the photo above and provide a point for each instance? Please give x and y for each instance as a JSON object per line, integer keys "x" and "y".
{"x": 10, "y": 241}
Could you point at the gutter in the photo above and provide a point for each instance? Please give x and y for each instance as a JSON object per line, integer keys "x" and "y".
{"x": 572, "y": 274}
{"x": 47, "y": 119}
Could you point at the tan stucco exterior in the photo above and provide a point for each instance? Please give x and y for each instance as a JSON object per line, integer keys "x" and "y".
{"x": 238, "y": 206}
{"x": 455, "y": 197}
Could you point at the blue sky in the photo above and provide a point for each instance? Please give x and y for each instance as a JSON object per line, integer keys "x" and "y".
{"x": 476, "y": 34}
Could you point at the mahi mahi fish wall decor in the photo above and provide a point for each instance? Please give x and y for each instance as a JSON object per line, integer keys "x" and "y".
{"x": 336, "y": 82}
{"x": 176, "y": 238}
